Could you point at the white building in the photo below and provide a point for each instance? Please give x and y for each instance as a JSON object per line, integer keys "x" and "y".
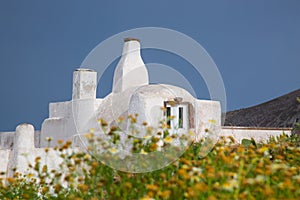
{"x": 131, "y": 94}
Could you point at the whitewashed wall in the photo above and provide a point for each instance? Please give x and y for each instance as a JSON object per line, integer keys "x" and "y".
{"x": 258, "y": 134}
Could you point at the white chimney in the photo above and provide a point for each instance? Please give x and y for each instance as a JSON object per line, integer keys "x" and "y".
{"x": 84, "y": 84}
{"x": 131, "y": 70}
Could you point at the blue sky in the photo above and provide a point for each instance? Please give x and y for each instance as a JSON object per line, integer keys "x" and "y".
{"x": 255, "y": 44}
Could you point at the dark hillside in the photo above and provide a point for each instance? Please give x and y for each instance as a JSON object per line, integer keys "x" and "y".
{"x": 283, "y": 111}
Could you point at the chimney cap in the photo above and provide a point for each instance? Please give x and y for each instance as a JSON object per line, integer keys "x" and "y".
{"x": 131, "y": 39}
{"x": 84, "y": 70}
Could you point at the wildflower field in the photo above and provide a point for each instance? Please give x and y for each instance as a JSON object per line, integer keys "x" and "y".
{"x": 230, "y": 171}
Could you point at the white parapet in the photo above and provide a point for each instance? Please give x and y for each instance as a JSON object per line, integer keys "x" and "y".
{"x": 208, "y": 117}
{"x": 84, "y": 84}
{"x": 24, "y": 137}
{"x": 6, "y": 140}
{"x": 4, "y": 158}
{"x": 54, "y": 129}
{"x": 259, "y": 134}
{"x": 24, "y": 153}
{"x": 22, "y": 149}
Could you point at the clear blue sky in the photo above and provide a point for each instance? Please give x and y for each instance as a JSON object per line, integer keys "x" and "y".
{"x": 255, "y": 44}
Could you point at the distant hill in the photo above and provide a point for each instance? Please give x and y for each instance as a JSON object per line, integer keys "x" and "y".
{"x": 283, "y": 111}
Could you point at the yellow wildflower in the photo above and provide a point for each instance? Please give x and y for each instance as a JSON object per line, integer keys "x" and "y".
{"x": 165, "y": 194}
{"x": 143, "y": 152}
{"x": 212, "y": 121}
{"x": 168, "y": 139}
{"x": 230, "y": 185}
{"x": 263, "y": 149}
{"x": 92, "y": 130}
{"x": 152, "y": 187}
{"x": 113, "y": 150}
{"x": 89, "y": 135}
{"x": 83, "y": 187}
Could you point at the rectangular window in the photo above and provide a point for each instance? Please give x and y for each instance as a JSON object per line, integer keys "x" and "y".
{"x": 180, "y": 117}
{"x": 168, "y": 116}
{"x": 177, "y": 116}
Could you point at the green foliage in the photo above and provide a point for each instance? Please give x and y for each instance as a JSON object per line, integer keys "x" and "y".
{"x": 229, "y": 171}
{"x": 296, "y": 126}
{"x": 247, "y": 142}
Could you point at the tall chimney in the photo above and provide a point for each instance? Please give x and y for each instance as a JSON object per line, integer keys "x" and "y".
{"x": 131, "y": 70}
{"x": 84, "y": 84}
